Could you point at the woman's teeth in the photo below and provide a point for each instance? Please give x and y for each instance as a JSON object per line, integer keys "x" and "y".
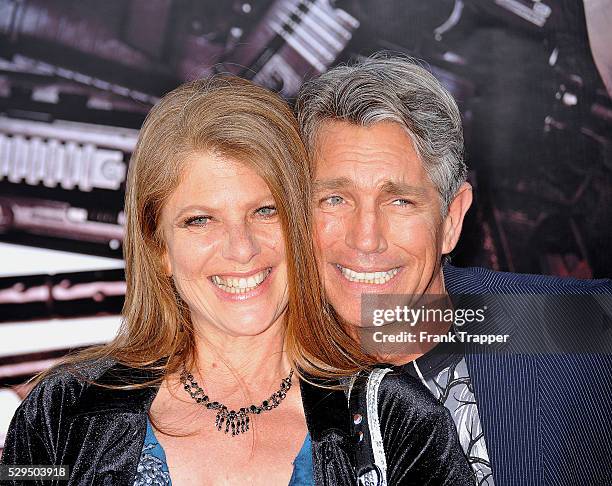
{"x": 368, "y": 277}
{"x": 240, "y": 285}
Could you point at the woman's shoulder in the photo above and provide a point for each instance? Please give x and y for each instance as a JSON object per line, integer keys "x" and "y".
{"x": 401, "y": 394}
{"x": 420, "y": 434}
{"x": 62, "y": 387}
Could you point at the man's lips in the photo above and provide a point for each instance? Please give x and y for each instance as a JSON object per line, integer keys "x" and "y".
{"x": 372, "y": 276}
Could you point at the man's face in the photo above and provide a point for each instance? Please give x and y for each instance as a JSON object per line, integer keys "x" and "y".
{"x": 378, "y": 218}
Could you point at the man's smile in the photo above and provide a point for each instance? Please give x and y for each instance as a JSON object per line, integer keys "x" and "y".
{"x": 375, "y": 277}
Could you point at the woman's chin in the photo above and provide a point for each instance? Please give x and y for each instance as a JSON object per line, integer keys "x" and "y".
{"x": 249, "y": 328}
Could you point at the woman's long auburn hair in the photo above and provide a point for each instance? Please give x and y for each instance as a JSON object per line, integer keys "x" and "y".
{"x": 233, "y": 118}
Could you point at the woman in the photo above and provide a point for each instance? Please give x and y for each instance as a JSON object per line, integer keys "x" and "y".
{"x": 223, "y": 311}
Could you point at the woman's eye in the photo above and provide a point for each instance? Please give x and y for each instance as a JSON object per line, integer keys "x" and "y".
{"x": 333, "y": 200}
{"x": 267, "y": 211}
{"x": 197, "y": 221}
{"x": 401, "y": 202}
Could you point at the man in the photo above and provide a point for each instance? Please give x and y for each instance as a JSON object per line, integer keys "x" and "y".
{"x": 390, "y": 196}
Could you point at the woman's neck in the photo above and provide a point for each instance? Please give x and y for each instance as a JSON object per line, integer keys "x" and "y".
{"x": 234, "y": 366}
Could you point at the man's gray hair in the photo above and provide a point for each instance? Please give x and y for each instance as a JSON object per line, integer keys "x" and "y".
{"x": 397, "y": 89}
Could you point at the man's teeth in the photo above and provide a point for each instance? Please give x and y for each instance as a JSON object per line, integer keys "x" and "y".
{"x": 240, "y": 285}
{"x": 368, "y": 277}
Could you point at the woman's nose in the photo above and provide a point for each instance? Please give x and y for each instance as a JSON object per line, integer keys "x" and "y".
{"x": 240, "y": 244}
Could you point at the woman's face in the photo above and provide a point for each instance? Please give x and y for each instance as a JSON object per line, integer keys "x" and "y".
{"x": 225, "y": 248}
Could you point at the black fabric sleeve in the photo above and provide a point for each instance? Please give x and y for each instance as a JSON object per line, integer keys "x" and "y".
{"x": 29, "y": 440}
{"x": 24, "y": 443}
{"x": 420, "y": 439}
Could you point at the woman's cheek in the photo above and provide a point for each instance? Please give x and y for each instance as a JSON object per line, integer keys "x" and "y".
{"x": 271, "y": 237}
{"x": 192, "y": 256}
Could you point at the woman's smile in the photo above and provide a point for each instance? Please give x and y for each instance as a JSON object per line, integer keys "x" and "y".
{"x": 243, "y": 286}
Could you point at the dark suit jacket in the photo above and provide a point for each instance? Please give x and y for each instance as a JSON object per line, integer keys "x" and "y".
{"x": 546, "y": 417}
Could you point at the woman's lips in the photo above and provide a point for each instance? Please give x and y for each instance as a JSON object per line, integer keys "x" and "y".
{"x": 237, "y": 288}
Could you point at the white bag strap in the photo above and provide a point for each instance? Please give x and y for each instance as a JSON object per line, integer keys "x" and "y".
{"x": 371, "y": 463}
{"x": 378, "y": 448}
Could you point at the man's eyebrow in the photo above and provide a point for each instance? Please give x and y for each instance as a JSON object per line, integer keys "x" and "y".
{"x": 403, "y": 189}
{"x": 391, "y": 188}
{"x": 332, "y": 184}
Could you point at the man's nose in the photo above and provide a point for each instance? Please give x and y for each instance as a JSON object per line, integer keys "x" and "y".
{"x": 240, "y": 244}
{"x": 365, "y": 232}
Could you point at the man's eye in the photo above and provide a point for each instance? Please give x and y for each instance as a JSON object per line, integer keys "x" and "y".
{"x": 401, "y": 202}
{"x": 333, "y": 200}
{"x": 197, "y": 221}
{"x": 267, "y": 211}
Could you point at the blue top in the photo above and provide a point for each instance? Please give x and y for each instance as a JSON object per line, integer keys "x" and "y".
{"x": 153, "y": 469}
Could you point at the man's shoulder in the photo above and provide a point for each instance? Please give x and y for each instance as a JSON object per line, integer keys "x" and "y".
{"x": 482, "y": 280}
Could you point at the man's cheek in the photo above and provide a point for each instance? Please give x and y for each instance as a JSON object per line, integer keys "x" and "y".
{"x": 328, "y": 229}
{"x": 417, "y": 231}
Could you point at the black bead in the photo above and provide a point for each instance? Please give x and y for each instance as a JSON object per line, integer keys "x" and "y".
{"x": 265, "y": 403}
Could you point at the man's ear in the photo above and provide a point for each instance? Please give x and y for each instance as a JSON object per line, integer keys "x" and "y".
{"x": 453, "y": 222}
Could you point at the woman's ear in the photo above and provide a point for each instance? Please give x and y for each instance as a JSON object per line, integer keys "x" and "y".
{"x": 453, "y": 222}
{"x": 166, "y": 264}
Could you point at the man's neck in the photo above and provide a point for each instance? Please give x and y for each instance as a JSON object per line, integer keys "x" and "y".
{"x": 435, "y": 287}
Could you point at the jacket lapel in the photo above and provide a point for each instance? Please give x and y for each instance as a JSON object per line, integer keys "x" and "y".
{"x": 325, "y": 410}
{"x": 97, "y": 399}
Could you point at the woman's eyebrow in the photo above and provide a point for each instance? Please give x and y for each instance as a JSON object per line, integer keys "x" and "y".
{"x": 190, "y": 208}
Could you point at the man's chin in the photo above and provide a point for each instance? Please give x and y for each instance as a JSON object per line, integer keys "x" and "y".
{"x": 348, "y": 307}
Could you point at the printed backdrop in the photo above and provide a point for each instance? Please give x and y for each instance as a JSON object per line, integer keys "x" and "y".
{"x": 77, "y": 78}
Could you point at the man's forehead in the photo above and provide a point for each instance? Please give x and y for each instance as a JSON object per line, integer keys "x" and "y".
{"x": 380, "y": 143}
{"x": 379, "y": 156}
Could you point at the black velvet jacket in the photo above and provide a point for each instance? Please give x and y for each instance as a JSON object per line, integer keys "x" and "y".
{"x": 100, "y": 432}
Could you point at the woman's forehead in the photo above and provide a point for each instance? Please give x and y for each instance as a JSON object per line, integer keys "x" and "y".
{"x": 217, "y": 180}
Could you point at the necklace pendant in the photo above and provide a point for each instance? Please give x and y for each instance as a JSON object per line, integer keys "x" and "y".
{"x": 219, "y": 419}
{"x": 238, "y": 421}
